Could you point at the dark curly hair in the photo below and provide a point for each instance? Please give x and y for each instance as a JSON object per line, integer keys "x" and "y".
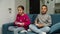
{"x": 21, "y": 7}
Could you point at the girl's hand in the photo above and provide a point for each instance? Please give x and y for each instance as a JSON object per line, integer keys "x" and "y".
{"x": 22, "y": 24}
{"x": 17, "y": 23}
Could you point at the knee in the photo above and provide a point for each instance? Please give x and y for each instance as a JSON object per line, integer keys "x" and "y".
{"x": 15, "y": 30}
{"x": 11, "y": 28}
{"x": 30, "y": 26}
{"x": 48, "y": 29}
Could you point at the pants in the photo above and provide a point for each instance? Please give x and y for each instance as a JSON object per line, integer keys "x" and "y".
{"x": 37, "y": 30}
{"x": 15, "y": 29}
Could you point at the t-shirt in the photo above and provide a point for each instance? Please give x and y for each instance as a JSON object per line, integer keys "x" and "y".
{"x": 44, "y": 19}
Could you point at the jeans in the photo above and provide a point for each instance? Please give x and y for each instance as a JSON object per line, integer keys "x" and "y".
{"x": 39, "y": 30}
{"x": 15, "y": 29}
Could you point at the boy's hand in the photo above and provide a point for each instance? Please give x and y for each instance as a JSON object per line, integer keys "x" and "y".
{"x": 40, "y": 25}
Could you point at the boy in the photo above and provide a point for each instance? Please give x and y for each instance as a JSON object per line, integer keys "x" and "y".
{"x": 42, "y": 22}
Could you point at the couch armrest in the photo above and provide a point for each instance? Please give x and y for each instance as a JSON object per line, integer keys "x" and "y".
{"x": 55, "y": 28}
{"x": 5, "y": 27}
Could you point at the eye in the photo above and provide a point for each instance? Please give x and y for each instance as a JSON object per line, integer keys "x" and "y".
{"x": 20, "y": 10}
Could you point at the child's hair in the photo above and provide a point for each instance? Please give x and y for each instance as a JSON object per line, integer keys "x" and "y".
{"x": 21, "y": 7}
{"x": 44, "y": 5}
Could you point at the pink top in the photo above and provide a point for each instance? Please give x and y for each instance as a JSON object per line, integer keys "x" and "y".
{"x": 23, "y": 19}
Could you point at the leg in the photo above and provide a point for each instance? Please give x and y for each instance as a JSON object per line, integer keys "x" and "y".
{"x": 45, "y": 29}
{"x": 40, "y": 31}
{"x": 18, "y": 29}
{"x": 15, "y": 29}
{"x": 34, "y": 28}
{"x": 11, "y": 28}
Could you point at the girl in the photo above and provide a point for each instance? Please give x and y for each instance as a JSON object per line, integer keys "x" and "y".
{"x": 22, "y": 21}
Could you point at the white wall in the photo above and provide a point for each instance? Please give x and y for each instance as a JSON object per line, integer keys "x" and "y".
{"x": 41, "y": 3}
{"x": 57, "y": 6}
{"x": 27, "y": 6}
{"x": 51, "y": 6}
{"x": 20, "y": 2}
{"x": 4, "y": 12}
{"x": 57, "y": 1}
{"x": 5, "y": 16}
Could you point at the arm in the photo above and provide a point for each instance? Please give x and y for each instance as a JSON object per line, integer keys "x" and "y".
{"x": 37, "y": 22}
{"x": 17, "y": 20}
{"x": 48, "y": 21}
{"x": 39, "y": 25}
{"x": 27, "y": 21}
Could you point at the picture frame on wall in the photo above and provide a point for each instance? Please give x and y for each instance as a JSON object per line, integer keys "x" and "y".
{"x": 57, "y": 11}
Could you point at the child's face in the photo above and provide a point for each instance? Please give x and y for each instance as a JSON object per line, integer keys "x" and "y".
{"x": 20, "y": 10}
{"x": 44, "y": 10}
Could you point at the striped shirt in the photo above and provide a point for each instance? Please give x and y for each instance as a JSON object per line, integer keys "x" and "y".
{"x": 44, "y": 19}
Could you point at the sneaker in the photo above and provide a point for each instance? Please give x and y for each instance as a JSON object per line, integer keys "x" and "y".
{"x": 29, "y": 29}
{"x": 23, "y": 31}
{"x": 43, "y": 32}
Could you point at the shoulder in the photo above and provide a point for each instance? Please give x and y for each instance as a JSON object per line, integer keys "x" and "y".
{"x": 39, "y": 15}
{"x": 25, "y": 15}
{"x": 48, "y": 15}
{"x": 17, "y": 15}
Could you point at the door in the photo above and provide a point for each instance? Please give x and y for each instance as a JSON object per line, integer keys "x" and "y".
{"x": 34, "y": 6}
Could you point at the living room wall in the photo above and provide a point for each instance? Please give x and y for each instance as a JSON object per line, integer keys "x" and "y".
{"x": 5, "y": 16}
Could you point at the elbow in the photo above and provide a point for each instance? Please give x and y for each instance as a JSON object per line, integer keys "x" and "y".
{"x": 27, "y": 24}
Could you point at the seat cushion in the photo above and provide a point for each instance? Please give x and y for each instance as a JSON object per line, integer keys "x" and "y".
{"x": 55, "y": 18}
{"x": 30, "y": 32}
{"x": 21, "y": 33}
{"x": 32, "y": 17}
{"x": 55, "y": 28}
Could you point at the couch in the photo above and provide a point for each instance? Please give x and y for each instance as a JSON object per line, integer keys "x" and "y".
{"x": 55, "y": 27}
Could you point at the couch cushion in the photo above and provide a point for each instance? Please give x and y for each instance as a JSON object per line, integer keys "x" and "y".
{"x": 29, "y": 32}
{"x": 21, "y": 33}
{"x": 55, "y": 28}
{"x": 55, "y": 18}
{"x": 32, "y": 17}
{"x": 5, "y": 28}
